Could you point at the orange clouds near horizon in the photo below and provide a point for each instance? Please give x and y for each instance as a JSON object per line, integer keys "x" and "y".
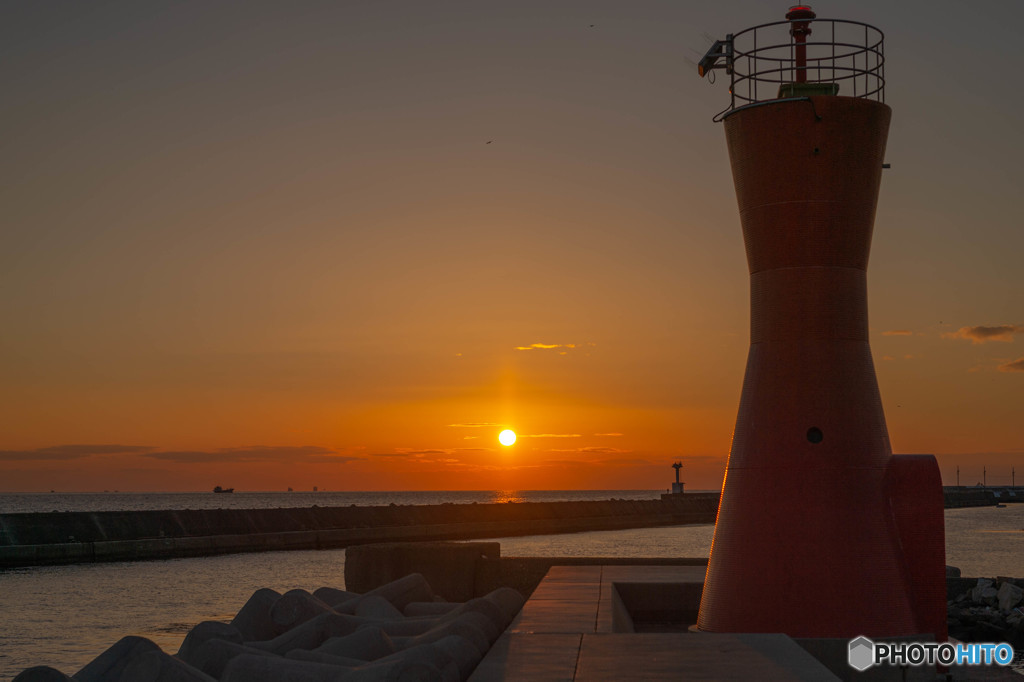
{"x": 983, "y": 334}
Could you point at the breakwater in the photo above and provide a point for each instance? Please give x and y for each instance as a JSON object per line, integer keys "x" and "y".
{"x": 37, "y": 539}
{"x": 956, "y": 497}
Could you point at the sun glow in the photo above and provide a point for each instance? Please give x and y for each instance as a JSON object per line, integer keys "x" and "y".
{"x": 507, "y": 437}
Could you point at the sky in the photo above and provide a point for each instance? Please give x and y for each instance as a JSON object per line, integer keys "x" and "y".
{"x": 344, "y": 244}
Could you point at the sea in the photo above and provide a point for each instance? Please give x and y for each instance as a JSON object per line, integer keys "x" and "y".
{"x": 64, "y": 616}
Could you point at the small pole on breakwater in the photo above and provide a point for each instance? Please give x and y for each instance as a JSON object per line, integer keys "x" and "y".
{"x": 958, "y": 477}
{"x": 677, "y": 487}
{"x": 984, "y": 480}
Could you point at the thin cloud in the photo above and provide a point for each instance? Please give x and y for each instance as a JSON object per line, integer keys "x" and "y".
{"x": 983, "y": 334}
{"x": 421, "y": 453}
{"x": 549, "y": 435}
{"x": 1015, "y": 366}
{"x": 410, "y": 452}
{"x": 255, "y": 453}
{"x": 546, "y": 346}
{"x": 595, "y": 450}
{"x": 473, "y": 425}
{"x": 561, "y": 463}
{"x": 561, "y": 348}
{"x": 898, "y": 332}
{"x": 608, "y": 435}
{"x": 66, "y": 452}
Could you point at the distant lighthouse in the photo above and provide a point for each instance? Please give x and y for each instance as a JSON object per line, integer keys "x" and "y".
{"x": 813, "y": 501}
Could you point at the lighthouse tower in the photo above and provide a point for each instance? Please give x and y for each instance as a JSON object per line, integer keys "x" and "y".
{"x": 821, "y": 531}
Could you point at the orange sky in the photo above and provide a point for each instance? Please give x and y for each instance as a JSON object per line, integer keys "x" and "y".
{"x": 345, "y": 244}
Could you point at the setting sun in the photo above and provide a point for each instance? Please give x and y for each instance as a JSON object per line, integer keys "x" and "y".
{"x": 507, "y": 437}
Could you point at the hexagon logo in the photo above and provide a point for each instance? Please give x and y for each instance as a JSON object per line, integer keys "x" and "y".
{"x": 861, "y": 654}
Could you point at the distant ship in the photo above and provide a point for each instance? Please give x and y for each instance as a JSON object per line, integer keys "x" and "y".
{"x": 218, "y": 489}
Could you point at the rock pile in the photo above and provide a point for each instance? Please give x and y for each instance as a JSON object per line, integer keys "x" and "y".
{"x": 989, "y": 611}
{"x": 398, "y": 632}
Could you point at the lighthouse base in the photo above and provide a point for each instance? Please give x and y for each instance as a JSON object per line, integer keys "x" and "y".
{"x": 851, "y": 552}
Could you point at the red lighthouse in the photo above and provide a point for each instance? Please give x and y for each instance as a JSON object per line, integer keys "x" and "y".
{"x": 821, "y": 531}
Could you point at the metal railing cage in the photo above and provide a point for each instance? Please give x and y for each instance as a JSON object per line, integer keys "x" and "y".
{"x": 844, "y": 57}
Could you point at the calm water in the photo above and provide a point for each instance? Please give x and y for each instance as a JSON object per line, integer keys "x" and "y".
{"x": 66, "y": 615}
{"x": 47, "y": 502}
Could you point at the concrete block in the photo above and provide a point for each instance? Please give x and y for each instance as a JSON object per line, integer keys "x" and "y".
{"x": 489, "y": 609}
{"x": 462, "y": 653}
{"x": 156, "y": 666}
{"x": 347, "y": 607}
{"x": 333, "y": 597}
{"x": 408, "y": 627}
{"x": 311, "y": 634}
{"x": 485, "y": 624}
{"x": 294, "y": 608}
{"x": 377, "y": 608}
{"x": 423, "y": 662}
{"x": 248, "y": 668}
{"x": 413, "y": 587}
{"x": 316, "y": 657}
{"x": 509, "y": 601}
{"x": 42, "y": 673}
{"x": 467, "y": 625}
{"x": 425, "y": 653}
{"x": 253, "y": 620}
{"x": 451, "y": 673}
{"x": 111, "y": 663}
{"x": 978, "y": 593}
{"x": 214, "y": 655}
{"x": 420, "y": 609}
{"x": 410, "y": 671}
{"x": 207, "y": 630}
{"x": 1009, "y": 595}
{"x": 367, "y": 643}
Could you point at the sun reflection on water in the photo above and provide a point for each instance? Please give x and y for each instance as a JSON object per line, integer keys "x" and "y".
{"x": 500, "y": 496}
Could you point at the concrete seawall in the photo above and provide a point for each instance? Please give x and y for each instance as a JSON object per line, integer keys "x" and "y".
{"x": 956, "y": 497}
{"x": 73, "y": 537}
{"x": 462, "y": 571}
